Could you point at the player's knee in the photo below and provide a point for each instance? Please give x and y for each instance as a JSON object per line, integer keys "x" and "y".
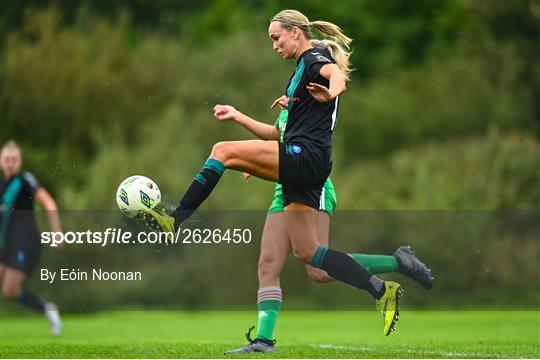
{"x": 268, "y": 268}
{"x": 302, "y": 255}
{"x": 10, "y": 291}
{"x": 222, "y": 151}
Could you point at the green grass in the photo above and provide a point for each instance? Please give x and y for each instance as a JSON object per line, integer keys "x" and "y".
{"x": 151, "y": 334}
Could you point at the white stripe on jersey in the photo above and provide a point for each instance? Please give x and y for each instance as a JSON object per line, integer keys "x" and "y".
{"x": 334, "y": 114}
{"x": 322, "y": 200}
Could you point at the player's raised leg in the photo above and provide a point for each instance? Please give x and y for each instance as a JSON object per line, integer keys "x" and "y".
{"x": 403, "y": 260}
{"x": 301, "y": 223}
{"x": 257, "y": 157}
{"x": 410, "y": 266}
{"x": 323, "y": 234}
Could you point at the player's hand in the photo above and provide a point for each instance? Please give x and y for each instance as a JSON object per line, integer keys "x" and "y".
{"x": 225, "y": 112}
{"x": 246, "y": 175}
{"x": 320, "y": 93}
{"x": 283, "y": 102}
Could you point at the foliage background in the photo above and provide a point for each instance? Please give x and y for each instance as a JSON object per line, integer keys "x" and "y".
{"x": 443, "y": 113}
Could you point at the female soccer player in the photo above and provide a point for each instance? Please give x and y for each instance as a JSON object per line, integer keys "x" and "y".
{"x": 276, "y": 245}
{"x": 19, "y": 239}
{"x": 301, "y": 163}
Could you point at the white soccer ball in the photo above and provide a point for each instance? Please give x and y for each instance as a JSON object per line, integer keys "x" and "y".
{"x": 135, "y": 194}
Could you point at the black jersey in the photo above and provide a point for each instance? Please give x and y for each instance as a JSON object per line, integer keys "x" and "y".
{"x": 18, "y": 192}
{"x": 310, "y": 122}
{"x": 17, "y": 222}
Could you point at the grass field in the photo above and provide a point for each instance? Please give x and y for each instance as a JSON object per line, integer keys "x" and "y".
{"x": 130, "y": 334}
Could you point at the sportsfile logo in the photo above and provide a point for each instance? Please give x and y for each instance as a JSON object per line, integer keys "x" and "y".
{"x": 118, "y": 236}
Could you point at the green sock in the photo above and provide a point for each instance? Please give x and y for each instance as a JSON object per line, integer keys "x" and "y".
{"x": 377, "y": 264}
{"x": 269, "y": 304}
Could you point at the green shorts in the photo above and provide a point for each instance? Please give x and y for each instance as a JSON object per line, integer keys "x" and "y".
{"x": 328, "y": 199}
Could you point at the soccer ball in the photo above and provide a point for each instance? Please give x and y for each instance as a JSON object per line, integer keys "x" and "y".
{"x": 135, "y": 194}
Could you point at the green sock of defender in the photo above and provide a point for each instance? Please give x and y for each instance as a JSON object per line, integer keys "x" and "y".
{"x": 377, "y": 264}
{"x": 268, "y": 304}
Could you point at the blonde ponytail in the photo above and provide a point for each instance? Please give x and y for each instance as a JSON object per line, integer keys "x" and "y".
{"x": 338, "y": 53}
{"x": 335, "y": 40}
{"x": 332, "y": 31}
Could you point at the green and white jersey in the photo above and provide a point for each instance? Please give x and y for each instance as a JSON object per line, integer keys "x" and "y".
{"x": 328, "y": 200}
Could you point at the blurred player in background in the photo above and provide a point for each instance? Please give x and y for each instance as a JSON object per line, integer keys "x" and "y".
{"x": 20, "y": 245}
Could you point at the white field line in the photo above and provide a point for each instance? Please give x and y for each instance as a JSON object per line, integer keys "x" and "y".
{"x": 427, "y": 353}
{"x": 411, "y": 351}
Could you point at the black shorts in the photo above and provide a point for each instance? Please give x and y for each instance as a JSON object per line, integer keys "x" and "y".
{"x": 21, "y": 259}
{"x": 302, "y": 172}
{"x": 22, "y": 248}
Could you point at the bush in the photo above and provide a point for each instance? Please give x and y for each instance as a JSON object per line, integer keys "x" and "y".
{"x": 499, "y": 172}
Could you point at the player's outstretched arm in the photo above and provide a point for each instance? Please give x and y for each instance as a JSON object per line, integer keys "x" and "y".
{"x": 261, "y": 130}
{"x": 47, "y": 203}
{"x": 338, "y": 84}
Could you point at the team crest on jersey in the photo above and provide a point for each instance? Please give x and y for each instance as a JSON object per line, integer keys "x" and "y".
{"x": 293, "y": 149}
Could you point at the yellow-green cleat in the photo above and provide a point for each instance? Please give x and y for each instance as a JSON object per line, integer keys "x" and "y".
{"x": 159, "y": 220}
{"x": 388, "y": 305}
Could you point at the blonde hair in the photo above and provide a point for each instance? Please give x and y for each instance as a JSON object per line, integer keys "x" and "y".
{"x": 341, "y": 57}
{"x": 10, "y": 145}
{"x": 337, "y": 42}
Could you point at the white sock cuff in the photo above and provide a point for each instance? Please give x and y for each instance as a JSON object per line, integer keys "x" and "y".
{"x": 269, "y": 293}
